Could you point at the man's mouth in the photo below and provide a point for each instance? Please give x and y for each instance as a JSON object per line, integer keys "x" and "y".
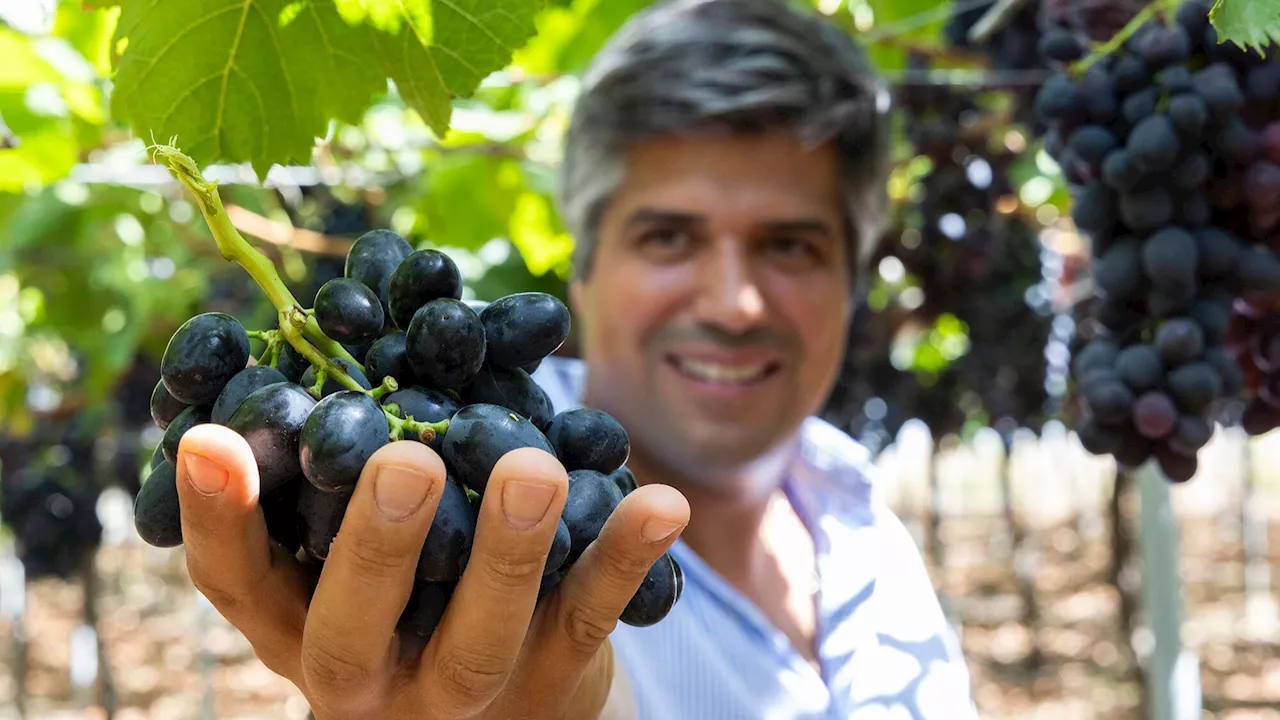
{"x": 720, "y": 373}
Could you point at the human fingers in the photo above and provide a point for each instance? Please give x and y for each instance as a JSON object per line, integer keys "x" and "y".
{"x": 368, "y": 575}
{"x": 479, "y": 639}
{"x": 252, "y": 582}
{"x": 564, "y": 646}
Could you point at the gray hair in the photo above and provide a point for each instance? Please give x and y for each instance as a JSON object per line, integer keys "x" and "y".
{"x": 687, "y": 66}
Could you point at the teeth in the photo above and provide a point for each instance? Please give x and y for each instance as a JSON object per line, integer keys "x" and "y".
{"x": 713, "y": 372}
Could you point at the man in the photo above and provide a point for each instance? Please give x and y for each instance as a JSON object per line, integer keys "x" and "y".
{"x": 724, "y": 175}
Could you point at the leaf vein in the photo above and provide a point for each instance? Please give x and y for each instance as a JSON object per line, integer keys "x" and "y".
{"x": 226, "y": 74}
{"x": 154, "y": 61}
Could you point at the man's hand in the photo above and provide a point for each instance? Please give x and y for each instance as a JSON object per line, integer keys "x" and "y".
{"x": 493, "y": 655}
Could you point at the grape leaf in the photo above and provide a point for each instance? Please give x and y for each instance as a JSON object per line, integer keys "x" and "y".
{"x": 259, "y": 80}
{"x": 240, "y": 80}
{"x": 1248, "y": 23}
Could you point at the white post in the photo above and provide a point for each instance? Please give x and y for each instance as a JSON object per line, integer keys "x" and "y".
{"x": 1173, "y": 676}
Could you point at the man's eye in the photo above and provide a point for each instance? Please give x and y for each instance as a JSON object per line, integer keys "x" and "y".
{"x": 793, "y": 247}
{"x": 664, "y": 239}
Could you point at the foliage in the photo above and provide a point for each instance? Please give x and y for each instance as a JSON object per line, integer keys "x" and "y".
{"x": 1251, "y": 24}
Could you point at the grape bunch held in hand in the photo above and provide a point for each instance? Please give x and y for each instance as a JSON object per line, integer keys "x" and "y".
{"x": 1165, "y": 142}
{"x": 452, "y": 374}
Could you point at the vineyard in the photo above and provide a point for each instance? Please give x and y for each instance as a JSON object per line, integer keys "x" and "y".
{"x": 328, "y": 225}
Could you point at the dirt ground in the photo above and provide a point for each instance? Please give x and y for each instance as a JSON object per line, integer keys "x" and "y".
{"x": 170, "y": 656}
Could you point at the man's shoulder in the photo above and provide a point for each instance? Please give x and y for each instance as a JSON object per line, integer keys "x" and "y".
{"x": 831, "y": 462}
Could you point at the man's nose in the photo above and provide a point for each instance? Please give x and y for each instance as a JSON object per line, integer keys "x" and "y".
{"x": 730, "y": 296}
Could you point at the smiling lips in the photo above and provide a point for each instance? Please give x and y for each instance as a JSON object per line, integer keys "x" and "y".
{"x": 723, "y": 373}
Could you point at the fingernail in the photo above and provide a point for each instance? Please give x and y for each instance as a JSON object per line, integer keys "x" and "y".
{"x": 525, "y": 504}
{"x": 399, "y": 491}
{"x": 656, "y": 530}
{"x": 207, "y": 476}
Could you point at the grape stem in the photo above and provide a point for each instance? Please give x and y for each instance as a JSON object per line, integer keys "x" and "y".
{"x": 234, "y": 248}
{"x": 1100, "y": 52}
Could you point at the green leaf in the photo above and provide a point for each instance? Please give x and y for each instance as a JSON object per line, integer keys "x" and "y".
{"x": 469, "y": 198}
{"x": 445, "y": 51}
{"x": 1248, "y": 23}
{"x": 241, "y": 80}
{"x": 569, "y": 37}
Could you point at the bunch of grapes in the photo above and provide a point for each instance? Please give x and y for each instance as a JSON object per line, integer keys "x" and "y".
{"x": 433, "y": 368}
{"x": 967, "y": 258}
{"x": 1165, "y": 143}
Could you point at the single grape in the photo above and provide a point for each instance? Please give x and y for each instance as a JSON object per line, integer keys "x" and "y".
{"x": 1153, "y": 144}
{"x": 156, "y": 512}
{"x": 1179, "y": 340}
{"x": 1192, "y": 171}
{"x": 1262, "y": 184}
{"x": 479, "y": 435}
{"x": 1218, "y": 252}
{"x": 387, "y": 357}
{"x": 373, "y": 257}
{"x": 1096, "y": 438}
{"x": 1188, "y": 112}
{"x": 446, "y": 343}
{"x": 1165, "y": 45}
{"x": 423, "y": 613}
{"x": 453, "y": 530}
{"x": 422, "y": 277}
{"x": 1134, "y": 449}
{"x": 157, "y": 457}
{"x": 1174, "y": 80}
{"x": 1176, "y": 466}
{"x": 349, "y": 311}
{"x": 242, "y": 386}
{"x": 1093, "y": 210}
{"x": 202, "y": 357}
{"x": 1169, "y": 259}
{"x": 1191, "y": 434}
{"x": 524, "y": 327}
{"x": 1058, "y": 98}
{"x": 1140, "y": 105}
{"x": 1061, "y": 45}
{"x": 1195, "y": 385}
{"x": 1140, "y": 367}
{"x": 589, "y": 439}
{"x": 592, "y": 498}
{"x": 187, "y": 419}
{"x": 1228, "y": 369}
{"x": 1258, "y": 270}
{"x": 1154, "y": 414}
{"x": 1091, "y": 143}
{"x": 657, "y": 595}
{"x": 550, "y": 582}
{"x": 1131, "y": 73}
{"x": 164, "y": 407}
{"x": 1212, "y": 317}
{"x": 1099, "y": 353}
{"x": 319, "y": 518}
{"x": 624, "y": 479}
{"x": 342, "y": 432}
{"x": 1119, "y": 172}
{"x": 424, "y": 405}
{"x": 271, "y": 421}
{"x": 331, "y": 384}
{"x": 1236, "y": 141}
{"x": 1108, "y": 400}
{"x": 280, "y": 510}
{"x": 292, "y": 364}
{"x": 1118, "y": 272}
{"x": 560, "y": 547}
{"x": 512, "y": 389}
{"x": 1146, "y": 209}
{"x": 1218, "y": 85}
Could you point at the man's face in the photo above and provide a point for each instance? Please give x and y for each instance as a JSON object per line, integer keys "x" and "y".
{"x": 713, "y": 316}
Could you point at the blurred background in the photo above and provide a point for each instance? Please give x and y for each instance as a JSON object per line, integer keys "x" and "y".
{"x": 956, "y": 373}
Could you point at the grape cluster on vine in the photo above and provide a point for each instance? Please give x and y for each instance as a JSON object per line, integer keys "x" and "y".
{"x": 391, "y": 351}
{"x": 1169, "y": 144}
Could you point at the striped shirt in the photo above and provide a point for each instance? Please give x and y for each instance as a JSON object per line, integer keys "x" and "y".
{"x": 885, "y": 648}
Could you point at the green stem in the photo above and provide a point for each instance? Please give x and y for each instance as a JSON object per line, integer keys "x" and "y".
{"x": 389, "y": 385}
{"x": 291, "y": 324}
{"x": 1081, "y": 66}
{"x": 408, "y": 427}
{"x": 234, "y": 248}
{"x": 265, "y": 336}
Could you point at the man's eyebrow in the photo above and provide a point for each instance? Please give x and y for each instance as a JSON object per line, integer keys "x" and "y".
{"x": 647, "y": 216}
{"x": 799, "y": 225}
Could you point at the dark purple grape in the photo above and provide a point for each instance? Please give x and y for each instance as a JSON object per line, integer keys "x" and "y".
{"x": 1096, "y": 438}
{"x": 1061, "y": 45}
{"x": 1140, "y": 367}
{"x": 1119, "y": 172}
{"x": 1093, "y": 210}
{"x": 373, "y": 257}
{"x": 423, "y": 613}
{"x": 1153, "y": 144}
{"x": 242, "y": 386}
{"x": 1179, "y": 340}
{"x": 1258, "y": 269}
{"x": 1091, "y": 143}
{"x": 512, "y": 389}
{"x": 479, "y": 435}
{"x": 1195, "y": 385}
{"x": 1118, "y": 272}
{"x": 1099, "y": 353}
{"x": 271, "y": 421}
{"x": 1218, "y": 252}
{"x": 1058, "y": 98}
{"x": 291, "y": 364}
{"x": 280, "y": 510}
{"x": 157, "y": 514}
{"x": 453, "y": 530}
{"x": 1192, "y": 171}
{"x": 319, "y": 518}
{"x": 589, "y": 439}
{"x": 624, "y": 479}
{"x": 387, "y": 358}
{"x": 446, "y": 343}
{"x": 1188, "y": 112}
{"x": 657, "y": 595}
{"x": 187, "y": 419}
{"x": 349, "y": 311}
{"x": 1146, "y": 209}
{"x": 1169, "y": 259}
{"x": 422, "y": 277}
{"x": 164, "y": 407}
{"x": 1108, "y": 400}
{"x": 202, "y": 357}
{"x": 341, "y": 434}
{"x": 592, "y": 498}
{"x": 1154, "y": 414}
{"x": 1176, "y": 467}
{"x": 524, "y": 327}
{"x": 560, "y": 547}
{"x": 1191, "y": 434}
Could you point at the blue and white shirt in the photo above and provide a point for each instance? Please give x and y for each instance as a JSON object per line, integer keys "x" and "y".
{"x": 885, "y": 647}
